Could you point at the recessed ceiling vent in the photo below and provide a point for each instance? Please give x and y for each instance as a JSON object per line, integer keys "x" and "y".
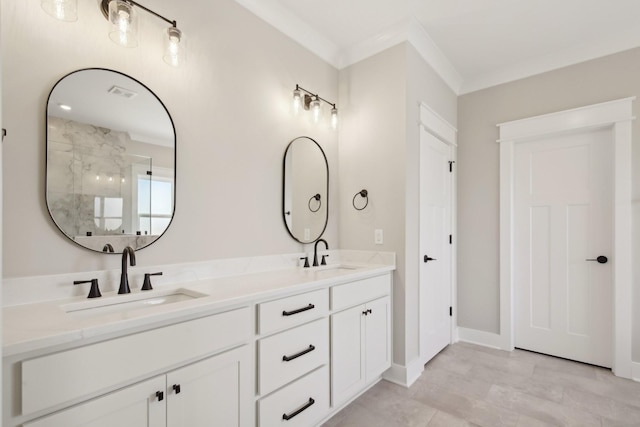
{"x": 120, "y": 91}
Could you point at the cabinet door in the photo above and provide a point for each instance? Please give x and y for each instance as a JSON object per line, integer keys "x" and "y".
{"x": 377, "y": 337}
{"x": 134, "y": 406}
{"x": 213, "y": 392}
{"x": 347, "y": 354}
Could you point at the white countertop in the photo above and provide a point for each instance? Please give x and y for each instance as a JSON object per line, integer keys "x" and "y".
{"x": 34, "y": 327}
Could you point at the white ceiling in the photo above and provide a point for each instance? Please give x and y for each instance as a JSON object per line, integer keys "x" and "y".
{"x": 89, "y": 95}
{"x": 471, "y": 43}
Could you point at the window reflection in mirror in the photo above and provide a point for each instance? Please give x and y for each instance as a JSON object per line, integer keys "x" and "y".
{"x": 110, "y": 160}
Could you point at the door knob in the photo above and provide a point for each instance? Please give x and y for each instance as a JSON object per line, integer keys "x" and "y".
{"x": 427, "y": 258}
{"x": 601, "y": 259}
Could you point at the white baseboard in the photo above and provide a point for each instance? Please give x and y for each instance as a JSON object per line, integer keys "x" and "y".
{"x": 404, "y": 375}
{"x": 483, "y": 338}
{"x": 635, "y": 371}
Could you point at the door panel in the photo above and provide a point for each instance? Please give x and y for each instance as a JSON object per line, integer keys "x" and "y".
{"x": 435, "y": 227}
{"x": 347, "y": 354}
{"x": 377, "y": 325}
{"x": 562, "y": 217}
{"x": 211, "y": 391}
{"x": 134, "y": 406}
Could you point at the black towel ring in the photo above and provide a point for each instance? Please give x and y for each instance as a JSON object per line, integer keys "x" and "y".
{"x": 365, "y": 195}
{"x": 317, "y": 198}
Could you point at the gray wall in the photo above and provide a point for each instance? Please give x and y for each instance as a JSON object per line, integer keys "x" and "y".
{"x": 378, "y": 150}
{"x": 231, "y": 104}
{"x": 604, "y": 79}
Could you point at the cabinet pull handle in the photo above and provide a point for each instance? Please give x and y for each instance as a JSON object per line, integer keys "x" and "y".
{"x": 176, "y": 388}
{"x": 293, "y": 414}
{"x": 160, "y": 395}
{"x": 295, "y": 356}
{"x": 300, "y": 310}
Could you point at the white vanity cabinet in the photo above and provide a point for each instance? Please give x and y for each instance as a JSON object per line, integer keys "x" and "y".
{"x": 293, "y": 364}
{"x": 360, "y": 336}
{"x": 134, "y": 406}
{"x": 214, "y": 392}
{"x": 184, "y": 374}
{"x": 290, "y": 354}
{"x": 204, "y": 393}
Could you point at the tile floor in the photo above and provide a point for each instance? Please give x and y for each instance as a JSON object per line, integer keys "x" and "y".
{"x": 469, "y": 385}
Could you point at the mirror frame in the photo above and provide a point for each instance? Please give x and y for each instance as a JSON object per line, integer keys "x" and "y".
{"x": 46, "y": 170}
{"x": 284, "y": 184}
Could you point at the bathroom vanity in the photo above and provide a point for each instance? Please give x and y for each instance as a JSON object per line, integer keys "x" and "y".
{"x": 286, "y": 347}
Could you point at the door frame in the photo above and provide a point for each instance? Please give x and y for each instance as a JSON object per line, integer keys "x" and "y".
{"x": 616, "y": 116}
{"x": 437, "y": 126}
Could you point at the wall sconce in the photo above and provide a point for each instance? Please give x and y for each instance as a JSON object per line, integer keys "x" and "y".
{"x": 310, "y": 101}
{"x": 124, "y": 29}
{"x": 123, "y": 18}
{"x": 63, "y": 10}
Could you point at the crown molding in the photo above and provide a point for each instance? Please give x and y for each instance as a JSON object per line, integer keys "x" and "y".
{"x": 604, "y": 46}
{"x": 286, "y": 22}
{"x": 272, "y": 12}
{"x": 411, "y": 31}
{"x": 432, "y": 54}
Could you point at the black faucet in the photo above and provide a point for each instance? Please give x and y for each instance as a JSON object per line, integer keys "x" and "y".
{"x": 124, "y": 279}
{"x": 107, "y": 248}
{"x": 315, "y": 251}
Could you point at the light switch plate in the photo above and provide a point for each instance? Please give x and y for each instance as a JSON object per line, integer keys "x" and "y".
{"x": 378, "y": 236}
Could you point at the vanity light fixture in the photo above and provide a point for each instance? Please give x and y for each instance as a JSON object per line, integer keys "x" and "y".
{"x": 123, "y": 18}
{"x": 64, "y": 107}
{"x": 311, "y": 101}
{"x": 297, "y": 100}
{"x": 63, "y": 10}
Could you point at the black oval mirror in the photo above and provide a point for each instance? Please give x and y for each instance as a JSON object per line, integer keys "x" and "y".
{"x": 111, "y": 161}
{"x": 305, "y": 190}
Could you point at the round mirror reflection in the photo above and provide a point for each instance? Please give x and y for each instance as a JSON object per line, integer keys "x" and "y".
{"x": 111, "y": 144}
{"x": 305, "y": 190}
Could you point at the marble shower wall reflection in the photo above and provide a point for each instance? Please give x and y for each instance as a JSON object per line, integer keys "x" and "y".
{"x": 90, "y": 187}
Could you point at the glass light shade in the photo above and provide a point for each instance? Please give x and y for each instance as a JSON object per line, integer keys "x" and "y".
{"x": 315, "y": 108}
{"x": 124, "y": 23}
{"x": 334, "y": 118}
{"x": 174, "y": 47}
{"x": 63, "y": 10}
{"x": 297, "y": 101}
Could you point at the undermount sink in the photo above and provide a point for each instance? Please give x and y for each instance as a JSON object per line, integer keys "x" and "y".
{"x": 122, "y": 303}
{"x": 333, "y": 267}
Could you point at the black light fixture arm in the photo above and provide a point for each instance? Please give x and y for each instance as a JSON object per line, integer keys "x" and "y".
{"x": 105, "y": 11}
{"x": 298, "y": 87}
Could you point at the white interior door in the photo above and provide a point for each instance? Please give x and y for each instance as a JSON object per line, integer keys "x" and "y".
{"x": 435, "y": 247}
{"x": 562, "y": 218}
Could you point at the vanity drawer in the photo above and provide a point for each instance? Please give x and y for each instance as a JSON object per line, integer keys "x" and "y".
{"x": 361, "y": 291}
{"x": 291, "y": 311}
{"x": 309, "y": 395}
{"x": 286, "y": 356}
{"x": 73, "y": 374}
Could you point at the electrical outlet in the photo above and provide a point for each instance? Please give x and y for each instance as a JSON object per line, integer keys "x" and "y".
{"x": 378, "y": 236}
